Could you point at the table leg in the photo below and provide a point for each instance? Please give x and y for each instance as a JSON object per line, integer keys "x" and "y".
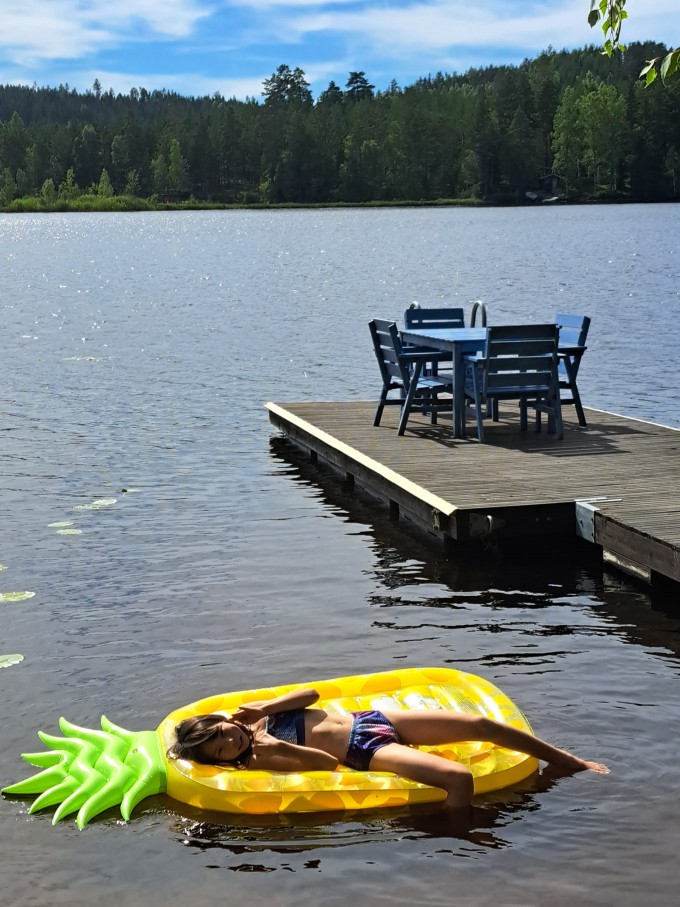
{"x": 458, "y": 394}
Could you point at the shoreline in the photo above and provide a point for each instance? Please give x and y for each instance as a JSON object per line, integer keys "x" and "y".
{"x": 120, "y": 203}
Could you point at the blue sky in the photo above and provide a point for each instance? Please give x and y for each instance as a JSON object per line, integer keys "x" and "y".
{"x": 199, "y": 47}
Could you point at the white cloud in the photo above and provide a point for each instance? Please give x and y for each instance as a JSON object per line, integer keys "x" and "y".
{"x": 451, "y": 23}
{"x": 173, "y": 18}
{"x": 32, "y": 30}
{"x": 195, "y": 84}
{"x": 56, "y": 41}
{"x": 184, "y": 83}
{"x": 289, "y": 4}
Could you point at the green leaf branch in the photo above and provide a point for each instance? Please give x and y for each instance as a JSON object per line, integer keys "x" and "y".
{"x": 611, "y": 14}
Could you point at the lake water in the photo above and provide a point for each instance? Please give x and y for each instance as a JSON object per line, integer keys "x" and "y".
{"x": 136, "y": 353}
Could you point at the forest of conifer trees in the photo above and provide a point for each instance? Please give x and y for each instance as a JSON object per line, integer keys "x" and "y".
{"x": 575, "y": 125}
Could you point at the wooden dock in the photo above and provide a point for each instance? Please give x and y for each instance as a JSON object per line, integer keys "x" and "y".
{"x": 615, "y": 483}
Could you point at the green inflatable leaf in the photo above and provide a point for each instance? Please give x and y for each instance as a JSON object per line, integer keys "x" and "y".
{"x": 88, "y": 771}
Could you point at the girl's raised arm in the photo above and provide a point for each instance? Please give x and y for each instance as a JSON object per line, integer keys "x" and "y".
{"x": 296, "y": 699}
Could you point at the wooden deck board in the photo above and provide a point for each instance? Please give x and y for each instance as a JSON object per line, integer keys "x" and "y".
{"x": 634, "y": 465}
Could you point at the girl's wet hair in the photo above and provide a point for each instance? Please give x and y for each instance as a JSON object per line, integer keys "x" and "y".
{"x": 194, "y": 732}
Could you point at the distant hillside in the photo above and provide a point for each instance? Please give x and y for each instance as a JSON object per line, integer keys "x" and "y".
{"x": 568, "y": 125}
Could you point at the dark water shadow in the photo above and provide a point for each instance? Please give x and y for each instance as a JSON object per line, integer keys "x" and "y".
{"x": 314, "y": 833}
{"x": 500, "y": 574}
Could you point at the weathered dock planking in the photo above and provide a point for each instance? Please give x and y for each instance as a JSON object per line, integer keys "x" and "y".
{"x": 615, "y": 483}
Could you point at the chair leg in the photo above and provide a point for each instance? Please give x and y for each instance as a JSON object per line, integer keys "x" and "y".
{"x": 571, "y": 367}
{"x": 478, "y": 406}
{"x": 578, "y": 406}
{"x": 381, "y": 407}
{"x": 410, "y": 396}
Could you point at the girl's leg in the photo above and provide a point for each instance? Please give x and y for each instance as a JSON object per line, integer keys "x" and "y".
{"x": 427, "y": 768}
{"x": 422, "y": 728}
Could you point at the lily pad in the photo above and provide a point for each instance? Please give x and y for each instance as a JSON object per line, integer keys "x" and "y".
{"x": 7, "y": 661}
{"x": 69, "y": 531}
{"x": 62, "y": 524}
{"x": 96, "y": 505}
{"x": 15, "y": 596}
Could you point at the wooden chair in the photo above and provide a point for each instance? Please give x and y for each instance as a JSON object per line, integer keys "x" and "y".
{"x": 403, "y": 371}
{"x": 520, "y": 363}
{"x": 417, "y": 318}
{"x": 573, "y": 333}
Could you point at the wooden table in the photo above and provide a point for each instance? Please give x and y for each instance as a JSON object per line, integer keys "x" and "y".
{"x": 457, "y": 341}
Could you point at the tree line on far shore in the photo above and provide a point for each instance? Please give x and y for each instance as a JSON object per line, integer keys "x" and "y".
{"x": 573, "y": 124}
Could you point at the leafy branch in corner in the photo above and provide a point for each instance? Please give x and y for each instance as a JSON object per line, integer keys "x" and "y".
{"x": 612, "y": 13}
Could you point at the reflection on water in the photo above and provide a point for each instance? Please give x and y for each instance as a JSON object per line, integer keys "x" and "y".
{"x": 253, "y": 836}
{"x": 342, "y": 830}
{"x": 415, "y": 577}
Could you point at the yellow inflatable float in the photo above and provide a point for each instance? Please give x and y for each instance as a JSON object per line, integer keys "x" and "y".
{"x": 88, "y": 771}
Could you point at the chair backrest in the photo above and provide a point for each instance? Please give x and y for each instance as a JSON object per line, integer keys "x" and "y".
{"x": 573, "y": 332}
{"x": 387, "y": 347}
{"x": 521, "y": 359}
{"x": 434, "y": 318}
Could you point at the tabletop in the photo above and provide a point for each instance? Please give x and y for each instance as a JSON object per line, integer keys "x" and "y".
{"x": 444, "y": 338}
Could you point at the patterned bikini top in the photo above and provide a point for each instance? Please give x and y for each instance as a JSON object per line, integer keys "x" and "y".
{"x": 288, "y": 726}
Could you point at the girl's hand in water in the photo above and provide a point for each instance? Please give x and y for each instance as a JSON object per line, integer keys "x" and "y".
{"x": 598, "y": 767}
{"x": 573, "y": 764}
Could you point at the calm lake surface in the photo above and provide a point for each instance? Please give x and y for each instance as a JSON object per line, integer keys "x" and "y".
{"x": 136, "y": 353}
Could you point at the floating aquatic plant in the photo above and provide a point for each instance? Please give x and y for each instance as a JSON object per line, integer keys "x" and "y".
{"x": 6, "y": 661}
{"x": 15, "y": 596}
{"x": 88, "y": 771}
{"x": 65, "y": 527}
{"x": 96, "y": 505}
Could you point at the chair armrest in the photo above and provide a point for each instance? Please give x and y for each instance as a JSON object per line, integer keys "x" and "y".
{"x": 473, "y": 357}
{"x": 432, "y": 354}
{"x": 420, "y": 355}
